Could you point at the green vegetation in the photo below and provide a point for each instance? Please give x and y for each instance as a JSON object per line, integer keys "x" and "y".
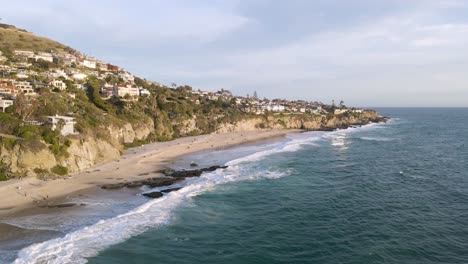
{"x": 93, "y": 94}
{"x": 59, "y": 170}
{"x": 3, "y": 171}
{"x": 12, "y": 38}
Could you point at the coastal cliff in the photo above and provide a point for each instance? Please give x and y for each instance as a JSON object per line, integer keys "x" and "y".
{"x": 37, "y": 159}
{"x": 72, "y": 111}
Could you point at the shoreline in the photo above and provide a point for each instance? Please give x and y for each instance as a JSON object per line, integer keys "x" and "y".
{"x": 18, "y": 196}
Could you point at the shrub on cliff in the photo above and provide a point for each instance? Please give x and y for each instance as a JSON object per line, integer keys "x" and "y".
{"x": 3, "y": 171}
{"x": 28, "y": 132}
{"x": 59, "y": 170}
{"x": 93, "y": 94}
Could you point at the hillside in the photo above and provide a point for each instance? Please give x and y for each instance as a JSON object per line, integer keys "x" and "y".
{"x": 63, "y": 111}
{"x": 12, "y": 38}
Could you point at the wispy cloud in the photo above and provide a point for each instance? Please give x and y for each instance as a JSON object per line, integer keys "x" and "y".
{"x": 365, "y": 52}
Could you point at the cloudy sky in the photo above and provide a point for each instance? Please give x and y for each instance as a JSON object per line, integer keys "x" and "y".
{"x": 365, "y": 52}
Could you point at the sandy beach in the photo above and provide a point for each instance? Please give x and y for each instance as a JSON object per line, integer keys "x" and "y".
{"x": 136, "y": 163}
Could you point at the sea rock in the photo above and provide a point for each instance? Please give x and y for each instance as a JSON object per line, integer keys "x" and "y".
{"x": 159, "y": 182}
{"x": 153, "y": 194}
{"x": 171, "y": 190}
{"x": 194, "y": 173}
{"x": 113, "y": 186}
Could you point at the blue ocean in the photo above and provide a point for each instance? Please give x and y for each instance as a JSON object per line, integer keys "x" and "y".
{"x": 383, "y": 193}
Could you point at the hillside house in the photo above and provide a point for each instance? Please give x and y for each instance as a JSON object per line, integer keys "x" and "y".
{"x": 58, "y": 84}
{"x": 122, "y": 91}
{"x": 25, "y": 87}
{"x": 24, "y": 53}
{"x": 144, "y": 92}
{"x": 89, "y": 63}
{"x": 44, "y": 56}
{"x": 127, "y": 77}
{"x": 340, "y": 111}
{"x": 275, "y": 108}
{"x": 66, "y": 124}
{"x": 9, "y": 90}
{"x": 5, "y": 103}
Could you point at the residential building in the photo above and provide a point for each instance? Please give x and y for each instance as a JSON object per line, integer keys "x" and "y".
{"x": 24, "y": 53}
{"x": 89, "y": 63}
{"x": 113, "y": 68}
{"x": 9, "y": 90}
{"x": 5, "y": 103}
{"x": 144, "y": 92}
{"x": 44, "y": 56}
{"x": 122, "y": 91}
{"x": 25, "y": 87}
{"x": 79, "y": 76}
{"x": 66, "y": 124}
{"x": 58, "y": 84}
{"x": 126, "y": 76}
{"x": 340, "y": 111}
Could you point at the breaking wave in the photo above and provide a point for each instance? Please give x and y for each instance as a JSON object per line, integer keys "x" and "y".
{"x": 87, "y": 242}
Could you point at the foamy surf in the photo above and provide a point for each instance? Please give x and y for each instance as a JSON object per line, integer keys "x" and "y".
{"x": 87, "y": 242}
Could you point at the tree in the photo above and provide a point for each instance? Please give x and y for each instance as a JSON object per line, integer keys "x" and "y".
{"x": 342, "y": 104}
{"x": 25, "y": 106}
{"x": 93, "y": 94}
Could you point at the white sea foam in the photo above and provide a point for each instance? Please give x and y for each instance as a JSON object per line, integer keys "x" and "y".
{"x": 87, "y": 242}
{"x": 75, "y": 247}
{"x": 377, "y": 138}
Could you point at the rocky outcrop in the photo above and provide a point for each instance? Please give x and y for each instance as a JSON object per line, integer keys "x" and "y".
{"x": 86, "y": 153}
{"x": 26, "y": 158}
{"x": 297, "y": 121}
{"x": 23, "y": 158}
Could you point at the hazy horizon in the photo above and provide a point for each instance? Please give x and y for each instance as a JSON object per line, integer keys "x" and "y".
{"x": 367, "y": 53}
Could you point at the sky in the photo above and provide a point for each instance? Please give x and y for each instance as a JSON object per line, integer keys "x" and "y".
{"x": 364, "y": 52}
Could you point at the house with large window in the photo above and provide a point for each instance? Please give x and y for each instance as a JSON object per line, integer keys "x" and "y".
{"x": 65, "y": 124}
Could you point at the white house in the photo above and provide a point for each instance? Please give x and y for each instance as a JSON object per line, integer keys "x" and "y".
{"x": 67, "y": 124}
{"x": 126, "y": 76}
{"x": 24, "y": 53}
{"x": 121, "y": 91}
{"x": 79, "y": 76}
{"x": 275, "y": 108}
{"x": 340, "y": 111}
{"x": 25, "y": 87}
{"x": 58, "y": 84}
{"x": 144, "y": 91}
{"x": 89, "y": 63}
{"x": 5, "y": 103}
{"x": 44, "y": 56}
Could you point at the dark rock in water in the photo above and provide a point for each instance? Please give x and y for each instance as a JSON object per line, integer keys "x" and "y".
{"x": 166, "y": 171}
{"x": 193, "y": 164}
{"x": 171, "y": 190}
{"x": 194, "y": 173}
{"x": 324, "y": 128}
{"x": 174, "y": 177}
{"x": 159, "y": 182}
{"x": 113, "y": 186}
{"x": 134, "y": 184}
{"x": 153, "y": 194}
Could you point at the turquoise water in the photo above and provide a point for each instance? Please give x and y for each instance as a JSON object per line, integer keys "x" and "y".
{"x": 386, "y": 193}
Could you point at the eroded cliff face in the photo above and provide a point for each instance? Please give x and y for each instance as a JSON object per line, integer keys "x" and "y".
{"x": 306, "y": 122}
{"x": 24, "y": 157}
